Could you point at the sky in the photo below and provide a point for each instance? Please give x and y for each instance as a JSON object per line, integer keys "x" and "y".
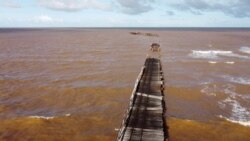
{"x": 124, "y": 13}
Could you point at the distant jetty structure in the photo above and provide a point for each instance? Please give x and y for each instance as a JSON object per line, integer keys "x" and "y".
{"x": 145, "y": 118}
{"x": 144, "y": 34}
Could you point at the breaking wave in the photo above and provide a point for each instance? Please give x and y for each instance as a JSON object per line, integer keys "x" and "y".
{"x": 245, "y": 49}
{"x": 214, "y": 54}
{"x": 236, "y": 56}
{"x": 244, "y": 123}
{"x": 212, "y": 62}
{"x": 239, "y": 80}
{"x": 41, "y": 117}
{"x": 239, "y": 114}
{"x": 209, "y": 54}
{"x": 228, "y": 62}
{"x": 47, "y": 117}
{"x": 209, "y": 90}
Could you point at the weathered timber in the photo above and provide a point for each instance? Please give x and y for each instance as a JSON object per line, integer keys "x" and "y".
{"x": 145, "y": 118}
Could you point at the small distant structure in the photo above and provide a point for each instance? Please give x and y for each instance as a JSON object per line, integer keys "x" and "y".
{"x": 144, "y": 34}
{"x": 135, "y": 33}
{"x": 155, "y": 47}
{"x": 154, "y": 51}
{"x": 151, "y": 34}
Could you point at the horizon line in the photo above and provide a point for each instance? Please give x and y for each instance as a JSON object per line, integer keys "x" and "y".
{"x": 42, "y": 27}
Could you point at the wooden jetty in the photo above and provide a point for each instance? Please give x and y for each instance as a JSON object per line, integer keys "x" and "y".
{"x": 145, "y": 118}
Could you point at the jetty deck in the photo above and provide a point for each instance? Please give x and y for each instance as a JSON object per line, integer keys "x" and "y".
{"x": 145, "y": 118}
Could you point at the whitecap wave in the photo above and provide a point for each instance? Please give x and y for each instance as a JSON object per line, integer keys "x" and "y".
{"x": 214, "y": 54}
{"x": 41, "y": 117}
{"x": 245, "y": 49}
{"x": 47, "y": 117}
{"x": 244, "y": 123}
{"x": 212, "y": 62}
{"x": 67, "y": 115}
{"x": 209, "y": 90}
{"x": 208, "y": 54}
{"x": 236, "y": 56}
{"x": 239, "y": 114}
{"x": 228, "y": 62}
{"x": 239, "y": 80}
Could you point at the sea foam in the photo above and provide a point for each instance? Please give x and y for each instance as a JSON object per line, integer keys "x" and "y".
{"x": 245, "y": 49}
{"x": 47, "y": 117}
{"x": 244, "y": 123}
{"x": 239, "y": 80}
{"x": 209, "y": 90}
{"x": 239, "y": 114}
{"x": 230, "y": 62}
{"x": 215, "y": 54}
{"x": 212, "y": 62}
{"x": 41, "y": 117}
{"x": 208, "y": 54}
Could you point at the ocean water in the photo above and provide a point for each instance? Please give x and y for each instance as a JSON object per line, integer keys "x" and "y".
{"x": 75, "y": 84}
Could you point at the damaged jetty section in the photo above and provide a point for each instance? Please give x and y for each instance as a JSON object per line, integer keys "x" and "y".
{"x": 145, "y": 118}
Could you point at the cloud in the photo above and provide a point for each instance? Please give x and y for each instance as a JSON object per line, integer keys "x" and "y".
{"x": 236, "y": 8}
{"x": 134, "y": 7}
{"x": 10, "y": 4}
{"x": 170, "y": 13}
{"x": 73, "y": 5}
{"x": 131, "y": 7}
{"x": 45, "y": 19}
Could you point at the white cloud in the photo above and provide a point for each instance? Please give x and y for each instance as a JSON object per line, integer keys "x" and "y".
{"x": 131, "y": 7}
{"x": 170, "y": 13}
{"x": 236, "y": 8}
{"x": 10, "y": 4}
{"x": 46, "y": 19}
{"x": 134, "y": 7}
{"x": 74, "y": 5}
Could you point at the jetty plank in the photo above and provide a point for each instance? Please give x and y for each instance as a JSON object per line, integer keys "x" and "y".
{"x": 145, "y": 118}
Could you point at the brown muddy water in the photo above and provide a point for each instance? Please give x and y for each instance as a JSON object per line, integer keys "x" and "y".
{"x": 75, "y": 84}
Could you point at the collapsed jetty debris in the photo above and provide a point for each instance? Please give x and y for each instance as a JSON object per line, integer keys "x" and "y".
{"x": 144, "y": 34}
